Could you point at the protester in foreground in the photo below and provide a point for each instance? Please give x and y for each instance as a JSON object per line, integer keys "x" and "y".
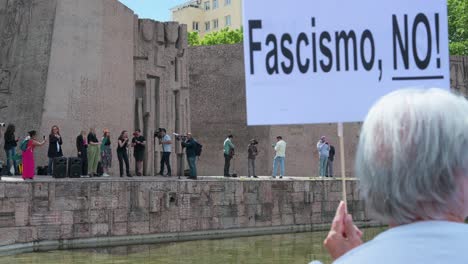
{"x": 55, "y": 147}
{"x": 28, "y": 155}
{"x": 280, "y": 155}
{"x": 166, "y": 143}
{"x": 122, "y": 153}
{"x": 138, "y": 144}
{"x": 331, "y": 158}
{"x": 10, "y": 145}
{"x": 106, "y": 153}
{"x": 82, "y": 148}
{"x": 323, "y": 151}
{"x": 228, "y": 154}
{"x": 93, "y": 152}
{"x": 412, "y": 165}
{"x": 190, "y": 150}
{"x": 252, "y": 155}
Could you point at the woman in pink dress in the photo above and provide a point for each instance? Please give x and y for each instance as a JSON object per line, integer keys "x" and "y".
{"x": 28, "y": 155}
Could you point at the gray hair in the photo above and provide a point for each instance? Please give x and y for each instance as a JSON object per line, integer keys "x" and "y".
{"x": 412, "y": 144}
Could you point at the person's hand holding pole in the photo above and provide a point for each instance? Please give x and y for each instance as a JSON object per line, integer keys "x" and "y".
{"x": 343, "y": 235}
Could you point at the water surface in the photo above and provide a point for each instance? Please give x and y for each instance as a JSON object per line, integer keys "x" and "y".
{"x": 298, "y": 248}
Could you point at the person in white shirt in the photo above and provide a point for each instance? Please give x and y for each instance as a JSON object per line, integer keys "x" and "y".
{"x": 412, "y": 165}
{"x": 166, "y": 143}
{"x": 280, "y": 149}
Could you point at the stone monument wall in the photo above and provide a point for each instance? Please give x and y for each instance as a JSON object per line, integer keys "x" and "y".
{"x": 73, "y": 209}
{"x": 92, "y": 63}
{"x": 217, "y": 92}
{"x": 26, "y": 29}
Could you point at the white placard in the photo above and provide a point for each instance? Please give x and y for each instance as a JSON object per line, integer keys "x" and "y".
{"x": 329, "y": 61}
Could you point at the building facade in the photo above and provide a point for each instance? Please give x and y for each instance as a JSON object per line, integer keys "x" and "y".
{"x": 206, "y": 16}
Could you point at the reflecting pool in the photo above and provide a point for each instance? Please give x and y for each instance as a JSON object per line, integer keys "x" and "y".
{"x": 287, "y": 248}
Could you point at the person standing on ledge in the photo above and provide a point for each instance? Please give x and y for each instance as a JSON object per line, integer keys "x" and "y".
{"x": 138, "y": 144}
{"x": 190, "y": 150}
{"x": 323, "y": 151}
{"x": 412, "y": 166}
{"x": 253, "y": 152}
{"x": 280, "y": 150}
{"x": 228, "y": 154}
{"x": 93, "y": 152}
{"x": 166, "y": 143}
{"x": 122, "y": 153}
{"x": 55, "y": 148}
{"x": 331, "y": 158}
{"x": 10, "y": 148}
{"x": 82, "y": 148}
{"x": 28, "y": 154}
{"x": 106, "y": 152}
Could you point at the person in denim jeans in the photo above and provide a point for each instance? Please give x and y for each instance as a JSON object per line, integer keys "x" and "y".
{"x": 280, "y": 149}
{"x": 189, "y": 145}
{"x": 10, "y": 148}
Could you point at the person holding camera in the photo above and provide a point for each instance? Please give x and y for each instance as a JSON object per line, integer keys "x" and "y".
{"x": 190, "y": 150}
{"x": 165, "y": 141}
{"x": 323, "y": 151}
{"x": 55, "y": 147}
{"x": 138, "y": 144}
{"x": 253, "y": 152}
{"x": 28, "y": 154}
{"x": 122, "y": 154}
{"x": 228, "y": 154}
{"x": 10, "y": 148}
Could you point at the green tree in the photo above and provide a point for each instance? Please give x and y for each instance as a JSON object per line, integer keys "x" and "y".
{"x": 458, "y": 26}
{"x": 224, "y": 36}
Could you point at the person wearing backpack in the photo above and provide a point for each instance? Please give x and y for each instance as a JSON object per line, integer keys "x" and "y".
{"x": 27, "y": 146}
{"x": 192, "y": 149}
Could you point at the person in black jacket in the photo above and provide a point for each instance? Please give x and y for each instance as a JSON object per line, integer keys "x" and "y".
{"x": 189, "y": 145}
{"x": 10, "y": 148}
{"x": 82, "y": 148}
{"x": 55, "y": 147}
{"x": 331, "y": 157}
{"x": 122, "y": 153}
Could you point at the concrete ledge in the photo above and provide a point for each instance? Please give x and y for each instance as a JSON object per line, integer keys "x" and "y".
{"x": 39, "y": 246}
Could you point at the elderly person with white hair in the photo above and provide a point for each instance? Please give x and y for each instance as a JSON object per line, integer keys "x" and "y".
{"x": 412, "y": 163}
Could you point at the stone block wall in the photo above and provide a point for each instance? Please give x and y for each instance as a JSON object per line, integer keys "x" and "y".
{"x": 71, "y": 209}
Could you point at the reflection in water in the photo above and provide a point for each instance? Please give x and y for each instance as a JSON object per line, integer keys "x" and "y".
{"x": 289, "y": 249}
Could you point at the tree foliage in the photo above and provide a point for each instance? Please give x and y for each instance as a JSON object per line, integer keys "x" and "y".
{"x": 224, "y": 36}
{"x": 458, "y": 26}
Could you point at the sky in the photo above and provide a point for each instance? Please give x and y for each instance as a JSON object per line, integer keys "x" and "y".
{"x": 154, "y": 9}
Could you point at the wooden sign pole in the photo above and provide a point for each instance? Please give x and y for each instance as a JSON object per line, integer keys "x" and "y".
{"x": 342, "y": 158}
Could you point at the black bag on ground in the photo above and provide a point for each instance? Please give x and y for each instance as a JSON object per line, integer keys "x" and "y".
{"x": 100, "y": 170}
{"x": 42, "y": 170}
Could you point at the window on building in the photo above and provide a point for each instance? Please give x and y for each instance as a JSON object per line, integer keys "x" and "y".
{"x": 227, "y": 21}
{"x": 227, "y": 2}
{"x": 207, "y": 26}
{"x": 215, "y": 23}
{"x": 207, "y": 5}
{"x": 215, "y": 4}
{"x": 195, "y": 26}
